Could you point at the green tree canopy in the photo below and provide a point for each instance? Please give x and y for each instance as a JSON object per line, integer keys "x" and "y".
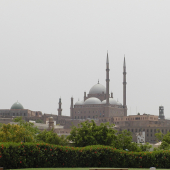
{"x": 15, "y": 133}
{"x": 88, "y": 133}
{"x": 51, "y": 137}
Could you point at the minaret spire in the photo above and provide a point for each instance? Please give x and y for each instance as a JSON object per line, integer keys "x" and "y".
{"x": 59, "y": 108}
{"x": 124, "y": 87}
{"x": 107, "y": 79}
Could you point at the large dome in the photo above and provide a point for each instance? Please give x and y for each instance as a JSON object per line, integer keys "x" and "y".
{"x": 97, "y": 89}
{"x": 17, "y": 105}
{"x": 92, "y": 100}
{"x": 111, "y": 101}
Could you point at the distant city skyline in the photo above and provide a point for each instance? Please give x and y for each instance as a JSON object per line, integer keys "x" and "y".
{"x": 53, "y": 49}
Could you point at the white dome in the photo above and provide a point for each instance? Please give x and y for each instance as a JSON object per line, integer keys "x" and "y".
{"x": 97, "y": 89}
{"x": 118, "y": 103}
{"x": 111, "y": 101}
{"x": 92, "y": 100}
{"x": 79, "y": 103}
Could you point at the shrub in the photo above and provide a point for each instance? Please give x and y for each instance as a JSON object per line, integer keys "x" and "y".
{"x": 31, "y": 155}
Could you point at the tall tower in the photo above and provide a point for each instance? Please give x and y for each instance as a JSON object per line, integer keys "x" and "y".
{"x": 161, "y": 112}
{"x": 124, "y": 88}
{"x": 107, "y": 79}
{"x": 71, "y": 108}
{"x": 59, "y": 109}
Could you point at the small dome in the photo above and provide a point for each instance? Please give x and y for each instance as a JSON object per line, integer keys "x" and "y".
{"x": 79, "y": 103}
{"x": 118, "y": 103}
{"x": 111, "y": 101}
{"x": 17, "y": 105}
{"x": 97, "y": 89}
{"x": 92, "y": 100}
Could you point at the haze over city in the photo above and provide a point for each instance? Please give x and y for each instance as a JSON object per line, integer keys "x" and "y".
{"x": 53, "y": 49}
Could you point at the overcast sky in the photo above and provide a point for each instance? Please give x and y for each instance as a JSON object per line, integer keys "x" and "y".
{"x": 53, "y": 48}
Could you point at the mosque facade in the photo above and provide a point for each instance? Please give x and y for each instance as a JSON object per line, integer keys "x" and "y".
{"x": 99, "y": 103}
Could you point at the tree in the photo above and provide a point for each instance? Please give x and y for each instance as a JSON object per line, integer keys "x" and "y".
{"x": 27, "y": 125}
{"x": 159, "y": 136}
{"x": 88, "y": 133}
{"x": 124, "y": 140}
{"x": 165, "y": 141}
{"x": 39, "y": 121}
{"x": 15, "y": 133}
{"x": 51, "y": 137}
{"x": 145, "y": 147}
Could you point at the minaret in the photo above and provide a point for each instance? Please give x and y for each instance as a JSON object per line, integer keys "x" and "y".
{"x": 107, "y": 79}
{"x": 59, "y": 109}
{"x": 71, "y": 108}
{"x": 124, "y": 88}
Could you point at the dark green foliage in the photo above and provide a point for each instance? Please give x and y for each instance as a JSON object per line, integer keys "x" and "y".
{"x": 39, "y": 121}
{"x": 32, "y": 155}
{"x": 51, "y": 137}
{"x": 145, "y": 147}
{"x": 165, "y": 140}
{"x": 88, "y": 133}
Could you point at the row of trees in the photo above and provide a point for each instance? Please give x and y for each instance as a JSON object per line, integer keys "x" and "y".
{"x": 26, "y": 132}
{"x": 87, "y": 133}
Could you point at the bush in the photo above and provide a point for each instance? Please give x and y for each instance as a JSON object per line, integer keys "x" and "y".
{"x": 31, "y": 155}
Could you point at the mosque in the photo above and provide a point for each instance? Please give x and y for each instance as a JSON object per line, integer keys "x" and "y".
{"x": 100, "y": 106}
{"x": 99, "y": 103}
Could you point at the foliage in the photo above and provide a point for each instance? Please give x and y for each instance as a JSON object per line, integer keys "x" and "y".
{"x": 159, "y": 135}
{"x": 124, "y": 141}
{"x": 88, "y": 133}
{"x": 145, "y": 147}
{"x": 32, "y": 155}
{"x": 27, "y": 125}
{"x": 165, "y": 140}
{"x": 15, "y": 133}
{"x": 39, "y": 121}
{"x": 51, "y": 137}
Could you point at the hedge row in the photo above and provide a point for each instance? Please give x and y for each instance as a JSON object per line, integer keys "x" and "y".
{"x": 28, "y": 155}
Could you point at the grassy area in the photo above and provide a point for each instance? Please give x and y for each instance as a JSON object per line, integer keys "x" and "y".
{"x": 80, "y": 169}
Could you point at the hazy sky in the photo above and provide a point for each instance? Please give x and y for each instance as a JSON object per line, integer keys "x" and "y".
{"x": 53, "y": 48}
